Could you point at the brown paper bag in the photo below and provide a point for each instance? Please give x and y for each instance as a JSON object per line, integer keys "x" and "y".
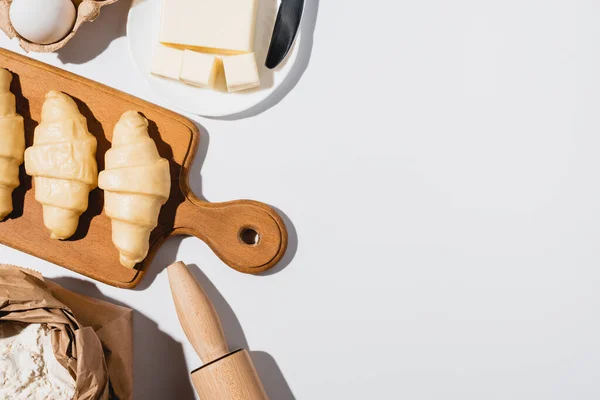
{"x": 92, "y": 339}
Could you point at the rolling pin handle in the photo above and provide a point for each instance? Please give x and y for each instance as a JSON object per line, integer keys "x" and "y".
{"x": 196, "y": 314}
{"x": 224, "y": 375}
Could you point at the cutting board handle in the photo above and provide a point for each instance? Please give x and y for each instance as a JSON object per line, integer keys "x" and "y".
{"x": 247, "y": 235}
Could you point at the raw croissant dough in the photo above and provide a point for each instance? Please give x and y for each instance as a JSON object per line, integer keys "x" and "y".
{"x": 12, "y": 144}
{"x": 62, "y": 161}
{"x": 137, "y": 182}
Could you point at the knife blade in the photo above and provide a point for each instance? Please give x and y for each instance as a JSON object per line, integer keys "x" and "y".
{"x": 284, "y": 32}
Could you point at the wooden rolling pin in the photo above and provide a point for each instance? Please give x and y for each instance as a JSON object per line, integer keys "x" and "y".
{"x": 225, "y": 375}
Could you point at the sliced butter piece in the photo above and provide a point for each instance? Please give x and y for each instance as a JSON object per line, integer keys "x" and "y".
{"x": 199, "y": 69}
{"x": 166, "y": 62}
{"x": 209, "y": 26}
{"x": 241, "y": 72}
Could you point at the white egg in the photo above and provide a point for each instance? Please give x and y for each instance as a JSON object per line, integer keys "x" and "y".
{"x": 43, "y": 21}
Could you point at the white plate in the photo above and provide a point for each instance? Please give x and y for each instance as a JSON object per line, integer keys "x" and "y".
{"x": 143, "y": 29}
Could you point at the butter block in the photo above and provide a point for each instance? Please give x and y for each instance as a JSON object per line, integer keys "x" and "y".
{"x": 167, "y": 62}
{"x": 241, "y": 72}
{"x": 209, "y": 26}
{"x": 199, "y": 69}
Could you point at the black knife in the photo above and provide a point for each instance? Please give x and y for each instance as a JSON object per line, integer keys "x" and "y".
{"x": 284, "y": 32}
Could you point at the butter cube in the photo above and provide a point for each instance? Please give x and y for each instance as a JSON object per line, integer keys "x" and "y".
{"x": 209, "y": 26}
{"x": 241, "y": 72}
{"x": 167, "y": 62}
{"x": 199, "y": 69}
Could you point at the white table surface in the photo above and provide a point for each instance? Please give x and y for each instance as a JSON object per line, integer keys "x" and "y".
{"x": 438, "y": 165}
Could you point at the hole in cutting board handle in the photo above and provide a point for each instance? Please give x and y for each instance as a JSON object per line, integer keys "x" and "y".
{"x": 249, "y": 236}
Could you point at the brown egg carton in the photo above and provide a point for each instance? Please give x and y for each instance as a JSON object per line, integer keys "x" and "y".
{"x": 87, "y": 11}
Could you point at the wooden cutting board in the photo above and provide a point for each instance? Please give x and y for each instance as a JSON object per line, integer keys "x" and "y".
{"x": 248, "y": 236}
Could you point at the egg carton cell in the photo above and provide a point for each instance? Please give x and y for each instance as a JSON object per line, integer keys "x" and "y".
{"x": 86, "y": 11}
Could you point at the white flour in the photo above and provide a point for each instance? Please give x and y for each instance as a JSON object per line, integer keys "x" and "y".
{"x": 28, "y": 368}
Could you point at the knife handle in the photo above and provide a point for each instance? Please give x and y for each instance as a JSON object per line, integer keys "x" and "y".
{"x": 196, "y": 314}
{"x": 285, "y": 30}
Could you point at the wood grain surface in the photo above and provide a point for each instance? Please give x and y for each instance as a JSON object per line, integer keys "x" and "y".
{"x": 224, "y": 375}
{"x": 228, "y": 228}
{"x": 232, "y": 377}
{"x": 197, "y": 316}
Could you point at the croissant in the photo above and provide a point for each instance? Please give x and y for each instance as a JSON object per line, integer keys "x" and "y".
{"x": 137, "y": 182}
{"x": 12, "y": 144}
{"x": 62, "y": 161}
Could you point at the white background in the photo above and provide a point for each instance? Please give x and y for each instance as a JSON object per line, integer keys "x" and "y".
{"x": 438, "y": 165}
